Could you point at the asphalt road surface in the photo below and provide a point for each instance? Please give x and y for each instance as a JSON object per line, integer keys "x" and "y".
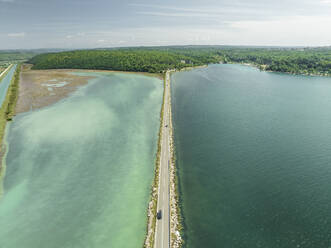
{"x": 162, "y": 231}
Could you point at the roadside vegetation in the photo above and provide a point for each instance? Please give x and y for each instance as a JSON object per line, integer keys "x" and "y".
{"x": 3, "y": 69}
{"x": 152, "y": 207}
{"x": 7, "y": 109}
{"x": 315, "y": 61}
{"x": 176, "y": 217}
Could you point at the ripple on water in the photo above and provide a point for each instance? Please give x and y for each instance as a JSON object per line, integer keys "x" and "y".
{"x": 79, "y": 172}
{"x": 253, "y": 151}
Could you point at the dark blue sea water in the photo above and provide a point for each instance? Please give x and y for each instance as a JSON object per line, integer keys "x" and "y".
{"x": 254, "y": 156}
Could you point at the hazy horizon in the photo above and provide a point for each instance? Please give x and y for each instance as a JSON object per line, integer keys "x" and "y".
{"x": 73, "y": 24}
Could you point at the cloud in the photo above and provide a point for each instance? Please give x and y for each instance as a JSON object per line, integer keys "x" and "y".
{"x": 75, "y": 36}
{"x": 238, "y": 10}
{"x": 325, "y": 2}
{"x": 18, "y": 35}
{"x": 178, "y": 14}
{"x": 291, "y": 31}
{"x": 7, "y": 1}
{"x": 215, "y": 15}
{"x": 202, "y": 9}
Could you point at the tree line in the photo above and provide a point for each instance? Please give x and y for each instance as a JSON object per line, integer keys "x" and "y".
{"x": 159, "y": 59}
{"x": 139, "y": 60}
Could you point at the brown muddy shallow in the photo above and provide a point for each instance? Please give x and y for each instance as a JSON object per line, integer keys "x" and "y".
{"x": 40, "y": 88}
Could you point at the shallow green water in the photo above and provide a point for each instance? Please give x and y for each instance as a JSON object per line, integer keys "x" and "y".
{"x": 254, "y": 157}
{"x": 79, "y": 172}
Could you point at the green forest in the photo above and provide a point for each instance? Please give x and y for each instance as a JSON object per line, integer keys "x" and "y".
{"x": 295, "y": 60}
{"x": 140, "y": 60}
{"x": 159, "y": 59}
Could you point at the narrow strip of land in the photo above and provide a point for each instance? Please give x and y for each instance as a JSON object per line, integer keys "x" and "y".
{"x": 5, "y": 71}
{"x": 162, "y": 230}
{"x": 9, "y": 90}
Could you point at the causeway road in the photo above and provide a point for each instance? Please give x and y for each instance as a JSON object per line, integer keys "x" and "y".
{"x": 162, "y": 229}
{"x": 3, "y": 73}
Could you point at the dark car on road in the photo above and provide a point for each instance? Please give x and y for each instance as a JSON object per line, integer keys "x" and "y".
{"x": 159, "y": 215}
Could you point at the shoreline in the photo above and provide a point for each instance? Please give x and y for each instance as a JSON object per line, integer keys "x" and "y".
{"x": 148, "y": 74}
{"x": 39, "y": 88}
{"x": 152, "y": 205}
{"x": 7, "y": 111}
{"x": 262, "y": 68}
{"x": 259, "y": 67}
{"x": 176, "y": 240}
{"x": 175, "y": 225}
{"x": 192, "y": 68}
{"x": 3, "y": 155}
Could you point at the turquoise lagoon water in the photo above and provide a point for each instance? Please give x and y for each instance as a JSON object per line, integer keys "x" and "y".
{"x": 78, "y": 173}
{"x": 254, "y": 155}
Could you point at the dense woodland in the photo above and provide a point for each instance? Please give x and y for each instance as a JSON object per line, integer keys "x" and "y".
{"x": 298, "y": 61}
{"x": 141, "y": 60}
{"x": 159, "y": 59}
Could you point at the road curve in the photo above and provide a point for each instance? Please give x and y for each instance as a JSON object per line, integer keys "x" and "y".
{"x": 162, "y": 230}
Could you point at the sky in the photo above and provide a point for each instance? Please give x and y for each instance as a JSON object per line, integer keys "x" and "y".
{"x": 72, "y": 24}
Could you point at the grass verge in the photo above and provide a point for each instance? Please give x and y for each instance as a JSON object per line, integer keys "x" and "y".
{"x": 176, "y": 216}
{"x": 152, "y": 208}
{"x": 7, "y": 111}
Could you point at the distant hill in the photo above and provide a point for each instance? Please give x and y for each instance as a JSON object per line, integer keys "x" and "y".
{"x": 15, "y": 56}
{"x": 299, "y": 60}
{"x": 130, "y": 59}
